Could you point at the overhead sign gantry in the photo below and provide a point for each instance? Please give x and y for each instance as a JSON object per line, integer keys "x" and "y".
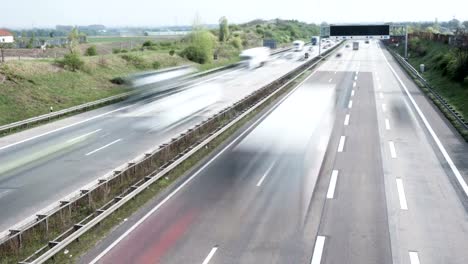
{"x": 360, "y": 31}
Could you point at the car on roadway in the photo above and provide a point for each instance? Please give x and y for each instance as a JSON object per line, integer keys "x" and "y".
{"x": 255, "y": 57}
{"x": 298, "y": 45}
{"x": 338, "y": 55}
{"x": 347, "y": 46}
{"x": 367, "y": 41}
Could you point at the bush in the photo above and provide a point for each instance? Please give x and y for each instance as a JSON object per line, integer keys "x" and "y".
{"x": 116, "y": 51}
{"x": 172, "y": 52}
{"x": 201, "y": 48}
{"x": 148, "y": 43}
{"x": 156, "y": 65}
{"x": 123, "y": 51}
{"x": 91, "y": 51}
{"x": 118, "y": 80}
{"x": 134, "y": 60}
{"x": 194, "y": 54}
{"x": 236, "y": 43}
{"x": 72, "y": 61}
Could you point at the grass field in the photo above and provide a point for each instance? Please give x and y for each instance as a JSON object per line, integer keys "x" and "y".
{"x": 30, "y": 88}
{"x": 139, "y": 39}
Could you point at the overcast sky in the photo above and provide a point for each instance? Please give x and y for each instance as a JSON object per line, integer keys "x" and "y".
{"x": 28, "y": 13}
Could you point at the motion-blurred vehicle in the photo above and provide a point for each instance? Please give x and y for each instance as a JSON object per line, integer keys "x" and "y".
{"x": 306, "y": 55}
{"x": 347, "y": 46}
{"x": 338, "y": 54}
{"x": 314, "y": 40}
{"x": 255, "y": 57}
{"x": 355, "y": 45}
{"x": 298, "y": 45}
{"x": 367, "y": 41}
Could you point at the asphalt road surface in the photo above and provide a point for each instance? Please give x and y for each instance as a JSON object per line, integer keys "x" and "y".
{"x": 43, "y": 165}
{"x": 354, "y": 166}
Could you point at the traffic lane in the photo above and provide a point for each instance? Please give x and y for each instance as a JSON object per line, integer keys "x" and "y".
{"x": 127, "y": 128}
{"x": 235, "y": 207}
{"x": 450, "y": 138}
{"x": 428, "y": 216}
{"x": 354, "y": 219}
{"x": 49, "y": 129}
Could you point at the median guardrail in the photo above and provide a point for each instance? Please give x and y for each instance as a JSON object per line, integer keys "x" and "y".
{"x": 54, "y": 230}
{"x": 457, "y": 117}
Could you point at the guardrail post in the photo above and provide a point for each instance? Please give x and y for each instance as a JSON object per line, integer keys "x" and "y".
{"x": 46, "y": 221}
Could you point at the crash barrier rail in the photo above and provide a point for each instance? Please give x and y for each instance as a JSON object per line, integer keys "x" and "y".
{"x": 8, "y": 128}
{"x": 406, "y": 65}
{"x": 61, "y": 226}
{"x": 79, "y": 108}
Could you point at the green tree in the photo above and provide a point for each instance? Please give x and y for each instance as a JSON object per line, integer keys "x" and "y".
{"x": 223, "y": 29}
{"x": 73, "y": 39}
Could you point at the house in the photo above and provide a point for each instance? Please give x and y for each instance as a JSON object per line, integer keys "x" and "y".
{"x": 6, "y": 36}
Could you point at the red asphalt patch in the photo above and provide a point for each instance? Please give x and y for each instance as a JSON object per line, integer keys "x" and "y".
{"x": 154, "y": 253}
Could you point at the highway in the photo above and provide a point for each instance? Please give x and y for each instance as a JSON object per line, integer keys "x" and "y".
{"x": 354, "y": 166}
{"x": 43, "y": 165}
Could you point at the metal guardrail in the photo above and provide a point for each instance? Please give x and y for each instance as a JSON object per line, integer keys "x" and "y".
{"x": 457, "y": 116}
{"x": 237, "y": 111}
{"x": 91, "y": 105}
{"x": 46, "y": 117}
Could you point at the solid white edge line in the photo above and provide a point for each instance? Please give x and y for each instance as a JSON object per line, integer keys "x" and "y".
{"x": 392, "y": 149}
{"x": 414, "y": 257}
{"x": 65, "y": 127}
{"x": 401, "y": 194}
{"x": 265, "y": 174}
{"x": 341, "y": 144}
{"x": 332, "y": 186}
{"x": 346, "y": 120}
{"x": 195, "y": 174}
{"x": 387, "y": 124}
{"x": 350, "y": 104}
{"x": 82, "y": 136}
{"x": 210, "y": 255}
{"x": 103, "y": 147}
{"x": 448, "y": 159}
{"x": 318, "y": 250}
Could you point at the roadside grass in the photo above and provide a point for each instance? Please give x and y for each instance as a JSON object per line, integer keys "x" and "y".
{"x": 96, "y": 234}
{"x": 454, "y": 92}
{"x": 30, "y": 88}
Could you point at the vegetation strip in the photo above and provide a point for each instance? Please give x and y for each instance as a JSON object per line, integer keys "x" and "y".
{"x": 456, "y": 119}
{"x": 115, "y": 189}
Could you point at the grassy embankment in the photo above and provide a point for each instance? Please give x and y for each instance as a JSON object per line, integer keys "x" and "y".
{"x": 434, "y": 56}
{"x": 29, "y": 88}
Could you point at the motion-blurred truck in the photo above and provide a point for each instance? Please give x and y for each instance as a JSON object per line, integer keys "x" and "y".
{"x": 298, "y": 45}
{"x": 355, "y": 45}
{"x": 314, "y": 40}
{"x": 255, "y": 57}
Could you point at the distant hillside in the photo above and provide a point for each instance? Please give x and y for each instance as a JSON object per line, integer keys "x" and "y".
{"x": 284, "y": 31}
